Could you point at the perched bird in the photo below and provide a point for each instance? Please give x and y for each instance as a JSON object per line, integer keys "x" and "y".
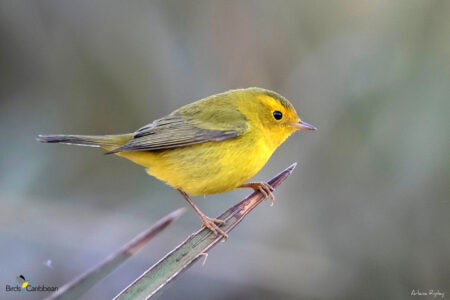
{"x": 213, "y": 145}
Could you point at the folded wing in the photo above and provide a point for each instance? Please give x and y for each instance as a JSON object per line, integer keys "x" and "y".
{"x": 184, "y": 128}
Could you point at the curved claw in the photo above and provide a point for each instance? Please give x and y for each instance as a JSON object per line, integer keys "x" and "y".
{"x": 262, "y": 187}
{"x": 210, "y": 223}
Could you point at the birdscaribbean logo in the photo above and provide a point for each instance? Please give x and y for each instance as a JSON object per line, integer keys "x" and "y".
{"x": 25, "y": 285}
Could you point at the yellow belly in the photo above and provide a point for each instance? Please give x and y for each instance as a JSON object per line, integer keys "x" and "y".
{"x": 207, "y": 168}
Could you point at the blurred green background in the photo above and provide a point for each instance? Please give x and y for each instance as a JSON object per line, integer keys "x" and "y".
{"x": 366, "y": 214}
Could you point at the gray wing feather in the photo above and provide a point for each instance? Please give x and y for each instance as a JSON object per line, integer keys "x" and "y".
{"x": 175, "y": 131}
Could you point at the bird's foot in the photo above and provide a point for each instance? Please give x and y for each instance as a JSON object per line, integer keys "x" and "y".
{"x": 211, "y": 224}
{"x": 264, "y": 188}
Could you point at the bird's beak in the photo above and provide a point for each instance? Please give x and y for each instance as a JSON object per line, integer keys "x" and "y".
{"x": 304, "y": 126}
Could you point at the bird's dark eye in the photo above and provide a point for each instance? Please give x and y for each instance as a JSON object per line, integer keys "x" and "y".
{"x": 277, "y": 115}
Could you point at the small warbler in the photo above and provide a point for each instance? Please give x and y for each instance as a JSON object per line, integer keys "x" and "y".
{"x": 213, "y": 145}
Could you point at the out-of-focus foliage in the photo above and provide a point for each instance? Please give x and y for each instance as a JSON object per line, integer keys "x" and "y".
{"x": 367, "y": 212}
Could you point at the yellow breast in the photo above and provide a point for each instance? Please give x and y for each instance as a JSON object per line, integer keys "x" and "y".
{"x": 207, "y": 168}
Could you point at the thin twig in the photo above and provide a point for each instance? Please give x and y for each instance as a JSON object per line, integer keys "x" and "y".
{"x": 81, "y": 284}
{"x": 152, "y": 281}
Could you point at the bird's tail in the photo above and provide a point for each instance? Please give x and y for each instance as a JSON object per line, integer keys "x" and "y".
{"x": 105, "y": 141}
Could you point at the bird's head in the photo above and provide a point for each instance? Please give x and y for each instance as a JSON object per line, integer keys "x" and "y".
{"x": 274, "y": 114}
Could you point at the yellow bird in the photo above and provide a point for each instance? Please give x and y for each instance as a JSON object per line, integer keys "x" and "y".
{"x": 213, "y": 145}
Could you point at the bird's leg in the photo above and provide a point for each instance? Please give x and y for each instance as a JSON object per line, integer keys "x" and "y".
{"x": 263, "y": 187}
{"x": 209, "y": 223}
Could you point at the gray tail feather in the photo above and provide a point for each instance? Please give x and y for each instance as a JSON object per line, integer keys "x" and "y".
{"x": 80, "y": 140}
